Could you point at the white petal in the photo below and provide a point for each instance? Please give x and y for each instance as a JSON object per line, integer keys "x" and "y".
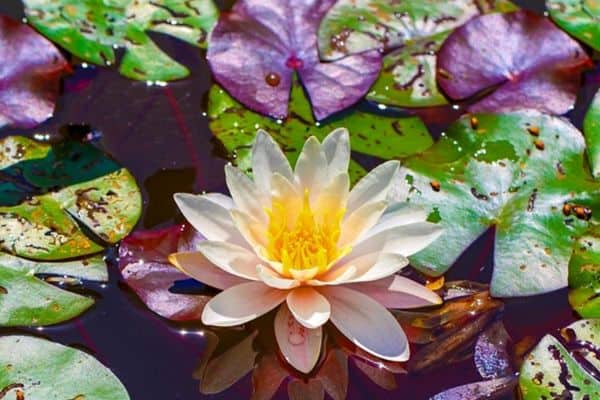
{"x": 285, "y": 192}
{"x": 375, "y": 266}
{"x": 267, "y": 159}
{"x": 333, "y": 197}
{"x": 208, "y": 217}
{"x": 374, "y": 186}
{"x": 398, "y": 292}
{"x": 246, "y": 196}
{"x": 233, "y": 259}
{"x": 398, "y": 214}
{"x": 273, "y": 279}
{"x": 299, "y": 345}
{"x": 309, "y": 307}
{"x": 242, "y": 303}
{"x": 367, "y": 323}
{"x": 200, "y": 268}
{"x": 405, "y": 240}
{"x": 337, "y": 151}
{"x": 223, "y": 200}
{"x": 361, "y": 221}
{"x": 310, "y": 167}
{"x": 335, "y": 277}
{"x": 253, "y": 231}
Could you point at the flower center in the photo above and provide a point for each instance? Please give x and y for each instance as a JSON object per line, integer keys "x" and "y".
{"x": 307, "y": 246}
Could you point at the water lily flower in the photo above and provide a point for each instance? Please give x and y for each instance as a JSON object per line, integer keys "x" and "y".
{"x": 303, "y": 241}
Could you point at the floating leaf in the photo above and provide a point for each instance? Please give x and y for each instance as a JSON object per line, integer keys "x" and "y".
{"x": 580, "y": 18}
{"x": 47, "y": 192}
{"x": 492, "y": 357}
{"x": 256, "y": 49}
{"x": 92, "y": 30}
{"x": 591, "y": 130}
{"x": 147, "y": 271}
{"x": 523, "y": 173}
{"x": 32, "y": 368}
{"x": 373, "y": 135}
{"x": 565, "y": 367}
{"x": 30, "y": 85}
{"x": 584, "y": 275}
{"x": 523, "y": 59}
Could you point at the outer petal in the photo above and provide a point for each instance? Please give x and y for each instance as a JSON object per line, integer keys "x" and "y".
{"x": 374, "y": 266}
{"x": 267, "y": 159}
{"x": 398, "y": 292}
{"x": 246, "y": 196}
{"x": 309, "y": 307}
{"x": 208, "y": 217}
{"x": 310, "y": 167}
{"x": 361, "y": 221}
{"x": 274, "y": 280}
{"x": 398, "y": 214}
{"x": 230, "y": 258}
{"x": 337, "y": 151}
{"x": 367, "y": 323}
{"x": 198, "y": 267}
{"x": 299, "y": 345}
{"x": 374, "y": 186}
{"x": 242, "y": 303}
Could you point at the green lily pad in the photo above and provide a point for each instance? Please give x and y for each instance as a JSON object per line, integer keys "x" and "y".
{"x": 584, "y": 275}
{"x": 93, "y": 29}
{"x": 580, "y": 18}
{"x": 372, "y": 135}
{"x": 591, "y": 130}
{"x": 53, "y": 198}
{"x": 523, "y": 173}
{"x": 27, "y": 300}
{"x": 40, "y": 369}
{"x": 556, "y": 368}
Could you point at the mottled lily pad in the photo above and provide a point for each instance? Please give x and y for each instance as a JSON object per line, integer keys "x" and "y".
{"x": 509, "y": 62}
{"x": 32, "y": 368}
{"x": 62, "y": 201}
{"x": 591, "y": 130}
{"x": 523, "y": 173}
{"x": 584, "y": 275}
{"x": 580, "y": 18}
{"x": 92, "y": 30}
{"x": 29, "y": 87}
{"x": 373, "y": 135}
{"x": 565, "y": 366}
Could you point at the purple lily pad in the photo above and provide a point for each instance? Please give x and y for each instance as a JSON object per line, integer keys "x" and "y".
{"x": 522, "y": 58}
{"x": 255, "y": 50}
{"x": 492, "y": 357}
{"x": 30, "y": 82}
{"x": 492, "y": 389}
{"x": 146, "y": 270}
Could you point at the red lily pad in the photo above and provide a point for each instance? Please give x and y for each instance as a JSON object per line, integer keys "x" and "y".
{"x": 146, "y": 270}
{"x": 523, "y": 59}
{"x": 255, "y": 50}
{"x": 29, "y": 84}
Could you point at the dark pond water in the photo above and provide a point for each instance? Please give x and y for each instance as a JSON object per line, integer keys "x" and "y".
{"x": 160, "y": 134}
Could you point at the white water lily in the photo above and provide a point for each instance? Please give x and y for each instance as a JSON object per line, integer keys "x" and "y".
{"x": 302, "y": 240}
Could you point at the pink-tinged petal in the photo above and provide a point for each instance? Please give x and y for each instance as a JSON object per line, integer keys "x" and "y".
{"x": 304, "y": 275}
{"x": 253, "y": 231}
{"x": 310, "y": 167}
{"x": 398, "y": 292}
{"x": 274, "y": 280}
{"x": 208, "y": 217}
{"x": 232, "y": 259}
{"x": 398, "y": 214}
{"x": 375, "y": 186}
{"x": 335, "y": 277}
{"x": 242, "y": 303}
{"x": 268, "y": 159}
{"x": 361, "y": 221}
{"x": 309, "y": 307}
{"x": 197, "y": 266}
{"x": 299, "y": 345}
{"x": 246, "y": 196}
{"x": 366, "y": 323}
{"x": 405, "y": 240}
{"x": 337, "y": 151}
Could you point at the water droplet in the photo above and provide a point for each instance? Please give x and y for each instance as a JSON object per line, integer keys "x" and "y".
{"x": 273, "y": 79}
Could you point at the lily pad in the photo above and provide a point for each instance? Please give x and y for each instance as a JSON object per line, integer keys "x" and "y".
{"x": 565, "y": 366}
{"x": 32, "y": 368}
{"x": 27, "y": 300}
{"x": 523, "y": 173}
{"x": 92, "y": 30}
{"x": 62, "y": 201}
{"x": 520, "y": 60}
{"x": 372, "y": 135}
{"x": 584, "y": 275}
{"x": 580, "y": 18}
{"x": 30, "y": 86}
{"x": 256, "y": 49}
{"x": 591, "y": 130}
